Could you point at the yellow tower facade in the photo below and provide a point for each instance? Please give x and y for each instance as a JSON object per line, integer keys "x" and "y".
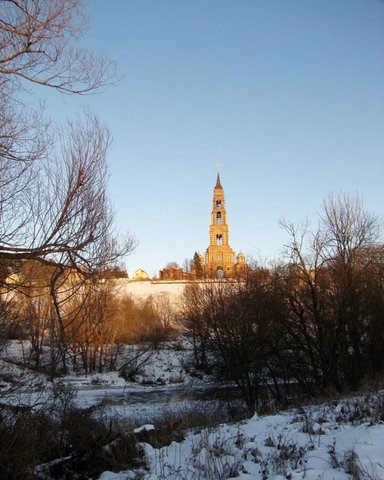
{"x": 219, "y": 256}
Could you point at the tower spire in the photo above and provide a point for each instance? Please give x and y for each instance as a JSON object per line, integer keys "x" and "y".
{"x": 218, "y": 184}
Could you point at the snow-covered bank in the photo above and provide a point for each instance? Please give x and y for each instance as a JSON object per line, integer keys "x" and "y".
{"x": 342, "y": 441}
{"x": 166, "y": 365}
{"x": 163, "y": 378}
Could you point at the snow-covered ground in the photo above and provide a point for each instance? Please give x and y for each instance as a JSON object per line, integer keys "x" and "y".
{"x": 162, "y": 378}
{"x": 327, "y": 442}
{"x": 335, "y": 441}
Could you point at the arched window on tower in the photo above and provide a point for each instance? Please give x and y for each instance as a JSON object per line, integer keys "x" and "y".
{"x": 218, "y": 218}
{"x": 219, "y": 239}
{"x": 218, "y": 203}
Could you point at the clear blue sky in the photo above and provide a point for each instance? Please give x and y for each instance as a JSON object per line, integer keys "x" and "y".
{"x": 287, "y": 95}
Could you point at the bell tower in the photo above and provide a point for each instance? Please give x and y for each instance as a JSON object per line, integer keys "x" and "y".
{"x": 219, "y": 257}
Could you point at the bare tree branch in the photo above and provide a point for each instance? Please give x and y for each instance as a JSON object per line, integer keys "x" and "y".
{"x": 37, "y": 44}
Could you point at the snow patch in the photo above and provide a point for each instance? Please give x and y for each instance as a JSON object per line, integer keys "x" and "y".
{"x": 144, "y": 428}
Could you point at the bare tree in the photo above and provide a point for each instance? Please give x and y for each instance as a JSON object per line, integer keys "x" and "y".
{"x": 53, "y": 203}
{"x": 67, "y": 218}
{"x": 232, "y": 328}
{"x": 327, "y": 284}
{"x": 353, "y": 243}
{"x": 38, "y": 41}
{"x": 194, "y": 304}
{"x": 348, "y": 227}
{"x": 9, "y": 319}
{"x": 187, "y": 264}
{"x": 38, "y": 46}
{"x": 54, "y": 207}
{"x": 172, "y": 265}
{"x": 166, "y": 311}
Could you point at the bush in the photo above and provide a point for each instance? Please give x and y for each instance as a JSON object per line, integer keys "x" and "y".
{"x": 54, "y": 439}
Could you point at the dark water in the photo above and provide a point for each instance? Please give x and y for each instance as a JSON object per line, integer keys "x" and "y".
{"x": 152, "y": 396}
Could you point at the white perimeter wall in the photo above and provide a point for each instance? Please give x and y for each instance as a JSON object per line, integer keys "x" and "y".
{"x": 142, "y": 290}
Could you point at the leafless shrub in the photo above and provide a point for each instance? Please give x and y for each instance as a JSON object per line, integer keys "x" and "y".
{"x": 51, "y": 438}
{"x": 135, "y": 358}
{"x": 214, "y": 456}
{"x": 285, "y": 455}
{"x": 367, "y": 408}
{"x": 173, "y": 423}
{"x": 217, "y": 457}
{"x": 349, "y": 461}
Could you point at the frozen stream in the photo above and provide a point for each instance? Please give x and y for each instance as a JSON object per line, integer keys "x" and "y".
{"x": 143, "y": 399}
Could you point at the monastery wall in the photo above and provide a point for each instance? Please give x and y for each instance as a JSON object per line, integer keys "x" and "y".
{"x": 142, "y": 290}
